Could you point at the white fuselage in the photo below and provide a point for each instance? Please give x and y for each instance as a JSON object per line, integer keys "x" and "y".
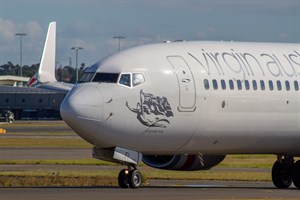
{"x": 196, "y": 97}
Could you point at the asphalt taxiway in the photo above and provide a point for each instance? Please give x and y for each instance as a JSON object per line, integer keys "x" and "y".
{"x": 206, "y": 190}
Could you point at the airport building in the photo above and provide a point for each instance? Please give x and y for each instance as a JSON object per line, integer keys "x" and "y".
{"x": 30, "y": 103}
{"x": 13, "y": 80}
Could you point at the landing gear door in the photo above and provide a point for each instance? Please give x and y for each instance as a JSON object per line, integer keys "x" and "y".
{"x": 187, "y": 90}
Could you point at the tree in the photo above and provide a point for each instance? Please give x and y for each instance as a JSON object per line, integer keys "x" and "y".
{"x": 64, "y": 74}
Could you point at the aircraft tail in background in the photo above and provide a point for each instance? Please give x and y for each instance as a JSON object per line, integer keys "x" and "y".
{"x": 45, "y": 77}
{"x": 46, "y": 71}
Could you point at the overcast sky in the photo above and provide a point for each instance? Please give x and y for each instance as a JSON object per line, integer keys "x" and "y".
{"x": 92, "y": 24}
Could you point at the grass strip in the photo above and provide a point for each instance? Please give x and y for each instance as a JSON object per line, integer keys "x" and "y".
{"x": 209, "y": 175}
{"x": 44, "y": 143}
{"x": 83, "y": 161}
{"x": 42, "y": 133}
{"x": 35, "y": 124}
{"x": 231, "y": 161}
{"x": 48, "y": 181}
{"x": 109, "y": 177}
{"x": 248, "y": 161}
{"x": 43, "y": 178}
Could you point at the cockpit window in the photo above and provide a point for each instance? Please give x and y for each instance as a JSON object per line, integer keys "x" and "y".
{"x": 86, "y": 77}
{"x": 106, "y": 78}
{"x": 131, "y": 79}
{"x": 125, "y": 80}
{"x": 137, "y": 79}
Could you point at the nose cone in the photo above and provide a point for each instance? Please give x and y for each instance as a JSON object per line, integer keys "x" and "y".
{"x": 82, "y": 104}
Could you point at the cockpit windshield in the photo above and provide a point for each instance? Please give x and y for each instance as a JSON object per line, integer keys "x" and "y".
{"x": 106, "y": 78}
{"x": 86, "y": 77}
{"x": 126, "y": 79}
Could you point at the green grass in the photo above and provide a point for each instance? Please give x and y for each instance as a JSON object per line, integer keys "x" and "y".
{"x": 55, "y": 179}
{"x": 151, "y": 174}
{"x": 47, "y": 181}
{"x": 231, "y": 161}
{"x": 109, "y": 177}
{"x": 43, "y": 143}
{"x": 68, "y": 173}
{"x": 248, "y": 161}
{"x": 42, "y": 133}
{"x": 208, "y": 175}
{"x": 83, "y": 161}
{"x": 35, "y": 124}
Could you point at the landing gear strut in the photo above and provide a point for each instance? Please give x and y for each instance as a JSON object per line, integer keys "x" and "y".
{"x": 130, "y": 177}
{"x": 285, "y": 171}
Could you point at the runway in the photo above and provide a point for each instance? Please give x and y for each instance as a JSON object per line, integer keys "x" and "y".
{"x": 209, "y": 190}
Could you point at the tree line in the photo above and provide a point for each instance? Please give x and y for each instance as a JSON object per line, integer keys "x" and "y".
{"x": 63, "y": 74}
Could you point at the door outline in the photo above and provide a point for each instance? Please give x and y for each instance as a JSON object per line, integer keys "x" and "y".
{"x": 185, "y": 79}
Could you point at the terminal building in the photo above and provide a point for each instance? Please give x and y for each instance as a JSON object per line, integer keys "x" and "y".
{"x": 30, "y": 103}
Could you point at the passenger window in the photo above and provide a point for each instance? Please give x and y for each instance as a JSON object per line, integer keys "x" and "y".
{"x": 215, "y": 84}
{"x": 231, "y": 84}
{"x": 254, "y": 84}
{"x": 296, "y": 84}
{"x": 262, "y": 85}
{"x": 223, "y": 84}
{"x": 271, "y": 85}
{"x": 206, "y": 84}
{"x": 239, "y": 84}
{"x": 125, "y": 80}
{"x": 137, "y": 79}
{"x": 247, "y": 85}
{"x": 279, "y": 85}
{"x": 287, "y": 85}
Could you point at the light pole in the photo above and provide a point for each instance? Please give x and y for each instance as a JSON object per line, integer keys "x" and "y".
{"x": 76, "y": 49}
{"x": 119, "y": 37}
{"x": 21, "y": 36}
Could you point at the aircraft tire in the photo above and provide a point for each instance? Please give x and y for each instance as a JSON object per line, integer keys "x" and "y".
{"x": 123, "y": 179}
{"x": 135, "y": 180}
{"x": 280, "y": 176}
{"x": 296, "y": 174}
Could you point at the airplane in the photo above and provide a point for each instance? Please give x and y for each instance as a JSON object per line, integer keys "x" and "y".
{"x": 186, "y": 105}
{"x": 45, "y": 77}
{"x": 238, "y": 88}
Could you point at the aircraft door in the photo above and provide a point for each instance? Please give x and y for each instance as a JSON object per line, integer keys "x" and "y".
{"x": 187, "y": 90}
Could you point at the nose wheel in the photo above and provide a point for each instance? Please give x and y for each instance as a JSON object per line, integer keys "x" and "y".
{"x": 130, "y": 178}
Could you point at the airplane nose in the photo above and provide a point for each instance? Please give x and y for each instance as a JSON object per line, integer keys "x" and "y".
{"x": 82, "y": 103}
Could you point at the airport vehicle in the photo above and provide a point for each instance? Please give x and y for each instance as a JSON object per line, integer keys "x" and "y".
{"x": 185, "y": 105}
{"x": 6, "y": 116}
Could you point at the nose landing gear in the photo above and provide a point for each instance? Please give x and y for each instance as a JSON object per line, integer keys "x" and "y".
{"x": 130, "y": 178}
